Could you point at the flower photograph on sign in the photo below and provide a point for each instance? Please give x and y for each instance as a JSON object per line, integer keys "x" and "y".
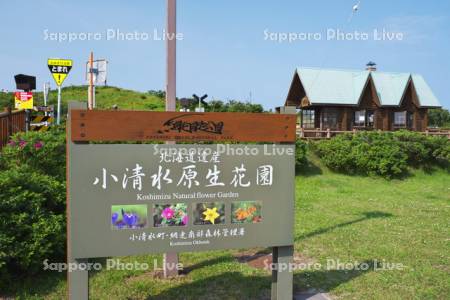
{"x": 209, "y": 213}
{"x": 246, "y": 212}
{"x": 128, "y": 216}
{"x": 170, "y": 215}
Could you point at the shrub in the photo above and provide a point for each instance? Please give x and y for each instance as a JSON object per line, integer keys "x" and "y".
{"x": 383, "y": 153}
{"x": 379, "y": 154}
{"x": 32, "y": 201}
{"x": 336, "y": 154}
{"x": 42, "y": 151}
{"x": 300, "y": 153}
{"x": 439, "y": 149}
{"x": 32, "y": 220}
{"x": 415, "y": 145}
{"x": 364, "y": 153}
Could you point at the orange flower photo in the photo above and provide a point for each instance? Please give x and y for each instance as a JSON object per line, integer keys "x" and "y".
{"x": 246, "y": 212}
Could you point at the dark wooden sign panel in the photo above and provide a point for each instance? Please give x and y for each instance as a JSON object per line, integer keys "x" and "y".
{"x": 180, "y": 126}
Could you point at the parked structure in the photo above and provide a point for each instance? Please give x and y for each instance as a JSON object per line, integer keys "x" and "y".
{"x": 364, "y": 100}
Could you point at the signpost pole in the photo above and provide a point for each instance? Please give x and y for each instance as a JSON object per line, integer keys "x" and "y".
{"x": 58, "y": 113}
{"x": 170, "y": 260}
{"x": 77, "y": 280}
{"x": 27, "y": 120}
{"x": 282, "y": 277}
{"x": 45, "y": 97}
{"x": 282, "y": 257}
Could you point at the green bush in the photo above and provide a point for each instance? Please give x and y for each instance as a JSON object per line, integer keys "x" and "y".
{"x": 300, "y": 153}
{"x": 336, "y": 154}
{"x": 32, "y": 220}
{"x": 415, "y": 145}
{"x": 43, "y": 151}
{"x": 378, "y": 154}
{"x": 32, "y": 201}
{"x": 440, "y": 149}
{"x": 382, "y": 153}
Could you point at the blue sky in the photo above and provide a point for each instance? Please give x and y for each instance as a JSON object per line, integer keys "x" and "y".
{"x": 224, "y": 51}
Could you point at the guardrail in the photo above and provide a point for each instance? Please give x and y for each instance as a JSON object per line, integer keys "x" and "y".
{"x": 10, "y": 123}
{"x": 318, "y": 134}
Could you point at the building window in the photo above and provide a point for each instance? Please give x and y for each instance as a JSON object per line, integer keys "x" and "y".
{"x": 370, "y": 118}
{"x": 360, "y": 118}
{"x": 363, "y": 118}
{"x": 329, "y": 119}
{"x": 308, "y": 118}
{"x": 400, "y": 119}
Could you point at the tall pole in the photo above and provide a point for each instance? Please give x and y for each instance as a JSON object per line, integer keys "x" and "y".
{"x": 91, "y": 82}
{"x": 171, "y": 44}
{"x": 58, "y": 114}
{"x": 45, "y": 98}
{"x": 45, "y": 94}
{"x": 171, "y": 259}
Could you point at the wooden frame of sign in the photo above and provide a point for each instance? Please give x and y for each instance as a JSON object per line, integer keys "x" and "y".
{"x": 84, "y": 126}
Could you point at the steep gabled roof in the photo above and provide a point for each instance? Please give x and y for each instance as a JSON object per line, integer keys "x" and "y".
{"x": 424, "y": 92}
{"x": 333, "y": 86}
{"x": 390, "y": 87}
{"x": 345, "y": 87}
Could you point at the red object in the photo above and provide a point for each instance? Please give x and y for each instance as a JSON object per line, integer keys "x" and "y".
{"x": 23, "y": 96}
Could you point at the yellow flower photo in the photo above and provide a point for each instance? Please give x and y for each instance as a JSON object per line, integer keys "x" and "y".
{"x": 209, "y": 213}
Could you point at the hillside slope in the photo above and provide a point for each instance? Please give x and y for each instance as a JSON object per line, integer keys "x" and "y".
{"x": 106, "y": 97}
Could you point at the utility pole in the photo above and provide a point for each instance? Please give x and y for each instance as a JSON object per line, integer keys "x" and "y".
{"x": 171, "y": 44}
{"x": 171, "y": 259}
{"x": 91, "y": 82}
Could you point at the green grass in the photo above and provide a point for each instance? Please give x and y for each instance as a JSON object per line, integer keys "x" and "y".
{"x": 350, "y": 218}
{"x": 106, "y": 97}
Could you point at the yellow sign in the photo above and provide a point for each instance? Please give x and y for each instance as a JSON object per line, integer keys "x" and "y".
{"x": 23, "y": 100}
{"x": 59, "y": 68}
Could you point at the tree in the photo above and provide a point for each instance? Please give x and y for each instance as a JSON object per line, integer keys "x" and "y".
{"x": 439, "y": 117}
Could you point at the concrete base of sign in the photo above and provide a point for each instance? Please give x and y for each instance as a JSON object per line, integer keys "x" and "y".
{"x": 282, "y": 278}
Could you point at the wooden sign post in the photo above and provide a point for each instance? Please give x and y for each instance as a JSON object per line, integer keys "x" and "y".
{"x": 131, "y": 199}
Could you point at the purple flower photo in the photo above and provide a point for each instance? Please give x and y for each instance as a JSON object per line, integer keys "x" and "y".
{"x": 129, "y": 216}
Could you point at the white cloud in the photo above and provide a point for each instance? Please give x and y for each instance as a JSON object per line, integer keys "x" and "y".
{"x": 416, "y": 28}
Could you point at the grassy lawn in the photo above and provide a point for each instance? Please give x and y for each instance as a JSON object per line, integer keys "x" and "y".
{"x": 350, "y": 219}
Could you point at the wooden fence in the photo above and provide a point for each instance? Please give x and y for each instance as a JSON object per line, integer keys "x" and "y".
{"x": 318, "y": 134}
{"x": 10, "y": 123}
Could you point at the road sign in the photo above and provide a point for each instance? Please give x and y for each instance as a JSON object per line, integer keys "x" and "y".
{"x": 40, "y": 123}
{"x": 44, "y": 108}
{"x": 59, "y": 68}
{"x": 23, "y": 100}
{"x": 99, "y": 71}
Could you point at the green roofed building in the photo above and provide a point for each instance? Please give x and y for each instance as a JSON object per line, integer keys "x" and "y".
{"x": 344, "y": 100}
